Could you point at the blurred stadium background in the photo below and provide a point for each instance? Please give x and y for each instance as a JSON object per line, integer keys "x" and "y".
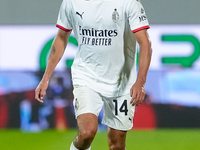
{"x": 169, "y": 118}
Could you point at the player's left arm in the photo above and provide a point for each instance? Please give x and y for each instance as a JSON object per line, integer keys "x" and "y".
{"x": 138, "y": 89}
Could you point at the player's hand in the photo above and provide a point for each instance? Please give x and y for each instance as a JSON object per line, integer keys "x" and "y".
{"x": 137, "y": 93}
{"x": 40, "y": 91}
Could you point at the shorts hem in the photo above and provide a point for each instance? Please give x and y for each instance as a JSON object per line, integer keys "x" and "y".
{"x": 116, "y": 128}
{"x": 76, "y": 115}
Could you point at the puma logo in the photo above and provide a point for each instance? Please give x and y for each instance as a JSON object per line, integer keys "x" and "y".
{"x": 81, "y": 15}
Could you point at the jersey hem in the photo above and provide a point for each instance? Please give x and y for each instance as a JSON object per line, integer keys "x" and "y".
{"x": 98, "y": 88}
{"x": 141, "y": 28}
{"x": 61, "y": 27}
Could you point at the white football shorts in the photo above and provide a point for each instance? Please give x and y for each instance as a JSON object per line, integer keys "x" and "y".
{"x": 118, "y": 112}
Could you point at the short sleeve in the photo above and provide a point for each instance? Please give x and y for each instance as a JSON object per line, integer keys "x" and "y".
{"x": 64, "y": 20}
{"x": 137, "y": 16}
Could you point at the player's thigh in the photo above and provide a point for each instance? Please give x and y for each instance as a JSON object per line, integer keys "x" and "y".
{"x": 118, "y": 113}
{"x": 87, "y": 125}
{"x": 87, "y": 104}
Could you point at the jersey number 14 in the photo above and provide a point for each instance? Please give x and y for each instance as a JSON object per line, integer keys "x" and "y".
{"x": 123, "y": 108}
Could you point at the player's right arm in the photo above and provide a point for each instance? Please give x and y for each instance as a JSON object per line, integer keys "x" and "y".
{"x": 56, "y": 52}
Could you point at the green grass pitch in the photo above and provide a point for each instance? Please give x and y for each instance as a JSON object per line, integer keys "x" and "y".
{"x": 180, "y": 139}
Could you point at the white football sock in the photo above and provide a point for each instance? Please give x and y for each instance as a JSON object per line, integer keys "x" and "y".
{"x": 72, "y": 147}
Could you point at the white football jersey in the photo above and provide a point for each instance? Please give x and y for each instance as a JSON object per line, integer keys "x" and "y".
{"x": 106, "y": 56}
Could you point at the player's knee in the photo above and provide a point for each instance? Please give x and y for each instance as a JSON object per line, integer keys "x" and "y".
{"x": 116, "y": 146}
{"x": 87, "y": 135}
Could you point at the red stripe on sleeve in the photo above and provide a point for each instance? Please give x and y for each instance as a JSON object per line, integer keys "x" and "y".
{"x": 141, "y": 28}
{"x": 63, "y": 28}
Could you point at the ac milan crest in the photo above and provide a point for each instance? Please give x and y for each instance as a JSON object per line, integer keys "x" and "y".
{"x": 115, "y": 16}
